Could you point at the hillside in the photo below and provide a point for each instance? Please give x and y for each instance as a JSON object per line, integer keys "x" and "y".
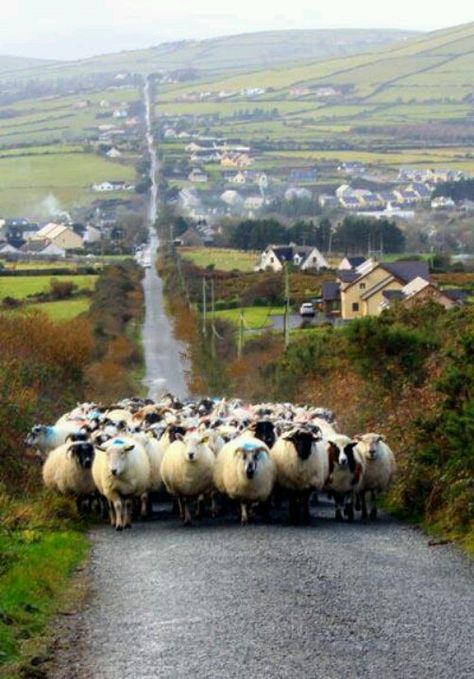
{"x": 237, "y": 53}
{"x": 439, "y": 64}
{"x": 10, "y": 65}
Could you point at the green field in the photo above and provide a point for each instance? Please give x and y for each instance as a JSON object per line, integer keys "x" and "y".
{"x": 224, "y": 259}
{"x": 25, "y": 182}
{"x": 21, "y": 287}
{"x": 63, "y": 310}
{"x": 255, "y": 317}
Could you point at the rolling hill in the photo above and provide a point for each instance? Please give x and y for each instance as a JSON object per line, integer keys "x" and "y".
{"x": 228, "y": 54}
{"x": 13, "y": 65}
{"x": 435, "y": 66}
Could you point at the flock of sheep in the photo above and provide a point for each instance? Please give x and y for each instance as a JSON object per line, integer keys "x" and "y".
{"x": 210, "y": 452}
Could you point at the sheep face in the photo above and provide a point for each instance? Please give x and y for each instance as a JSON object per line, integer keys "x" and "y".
{"x": 265, "y": 431}
{"x": 302, "y": 440}
{"x": 249, "y": 456}
{"x": 194, "y": 448}
{"x": 117, "y": 456}
{"x": 83, "y": 453}
{"x": 37, "y": 433}
{"x": 343, "y": 455}
{"x": 368, "y": 445}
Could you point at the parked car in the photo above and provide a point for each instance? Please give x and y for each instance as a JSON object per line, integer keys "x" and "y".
{"x": 307, "y": 309}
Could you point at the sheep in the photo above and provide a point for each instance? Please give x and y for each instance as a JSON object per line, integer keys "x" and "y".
{"x": 120, "y": 471}
{"x": 67, "y": 470}
{"x": 302, "y": 466}
{"x": 245, "y": 472}
{"x": 46, "y": 438}
{"x": 346, "y": 473}
{"x": 187, "y": 471}
{"x": 155, "y": 453}
{"x": 379, "y": 470}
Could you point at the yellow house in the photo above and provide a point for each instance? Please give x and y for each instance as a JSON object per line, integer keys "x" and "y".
{"x": 363, "y": 294}
{"x": 61, "y": 235}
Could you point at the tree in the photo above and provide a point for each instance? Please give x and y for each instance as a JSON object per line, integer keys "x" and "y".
{"x": 257, "y": 234}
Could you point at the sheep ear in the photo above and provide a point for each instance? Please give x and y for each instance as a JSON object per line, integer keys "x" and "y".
{"x": 70, "y": 451}
{"x": 129, "y": 448}
{"x": 205, "y": 439}
{"x": 357, "y": 437}
{"x": 100, "y": 448}
{"x": 381, "y": 437}
{"x": 68, "y": 437}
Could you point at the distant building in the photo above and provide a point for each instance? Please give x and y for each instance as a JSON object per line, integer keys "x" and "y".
{"x": 113, "y": 153}
{"x": 443, "y": 203}
{"x": 197, "y": 176}
{"x": 304, "y": 257}
{"x": 302, "y": 176}
{"x": 60, "y": 235}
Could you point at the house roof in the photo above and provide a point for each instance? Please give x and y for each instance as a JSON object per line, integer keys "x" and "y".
{"x": 406, "y": 271}
{"x": 347, "y": 276}
{"x": 331, "y": 291}
{"x": 355, "y": 261}
{"x": 393, "y": 294}
{"x": 378, "y": 287}
{"x": 287, "y": 252}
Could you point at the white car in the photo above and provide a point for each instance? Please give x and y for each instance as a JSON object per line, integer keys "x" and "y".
{"x": 307, "y": 309}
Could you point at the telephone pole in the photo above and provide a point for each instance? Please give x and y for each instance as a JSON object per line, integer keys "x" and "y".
{"x": 286, "y": 324}
{"x": 204, "y": 307}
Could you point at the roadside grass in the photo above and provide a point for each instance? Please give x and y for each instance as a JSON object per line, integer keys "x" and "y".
{"x": 224, "y": 259}
{"x": 21, "y": 287}
{"x": 255, "y": 317}
{"x": 38, "y": 553}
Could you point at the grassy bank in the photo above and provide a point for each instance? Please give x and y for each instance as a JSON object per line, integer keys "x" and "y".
{"x": 36, "y": 563}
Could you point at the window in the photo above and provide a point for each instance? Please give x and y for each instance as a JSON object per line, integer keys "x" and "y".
{"x": 355, "y": 306}
{"x": 362, "y": 286}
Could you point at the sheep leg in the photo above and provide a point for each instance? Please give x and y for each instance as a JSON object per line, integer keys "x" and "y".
{"x": 180, "y": 508}
{"x": 294, "y": 508}
{"x": 118, "y": 509}
{"x": 214, "y": 505}
{"x": 265, "y": 508}
{"x": 364, "y": 505}
{"x": 144, "y": 505}
{"x": 127, "y": 512}
{"x": 373, "y": 508}
{"x": 111, "y": 513}
{"x": 188, "y": 519}
{"x": 199, "y": 513}
{"x": 349, "y": 507}
{"x": 304, "y": 505}
{"x": 338, "y": 499}
{"x": 358, "y": 502}
{"x": 244, "y": 517}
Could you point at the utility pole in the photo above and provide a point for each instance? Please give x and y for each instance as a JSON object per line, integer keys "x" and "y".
{"x": 286, "y": 324}
{"x": 204, "y": 307}
{"x": 213, "y": 309}
{"x": 240, "y": 342}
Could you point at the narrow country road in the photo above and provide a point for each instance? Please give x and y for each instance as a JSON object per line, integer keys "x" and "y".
{"x": 164, "y": 356}
{"x": 217, "y": 601}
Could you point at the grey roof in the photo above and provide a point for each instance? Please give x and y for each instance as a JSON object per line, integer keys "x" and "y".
{"x": 356, "y": 261}
{"x": 331, "y": 291}
{"x": 393, "y": 294}
{"x": 406, "y": 271}
{"x": 347, "y": 276}
{"x": 287, "y": 252}
{"x": 456, "y": 294}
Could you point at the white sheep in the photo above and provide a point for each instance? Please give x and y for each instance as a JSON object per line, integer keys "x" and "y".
{"x": 245, "y": 472}
{"x": 379, "y": 470}
{"x": 187, "y": 470}
{"x": 47, "y": 438}
{"x": 346, "y": 474}
{"x": 302, "y": 466}
{"x": 67, "y": 470}
{"x": 121, "y": 471}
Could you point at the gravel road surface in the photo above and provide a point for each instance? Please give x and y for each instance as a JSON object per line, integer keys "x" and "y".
{"x": 219, "y": 601}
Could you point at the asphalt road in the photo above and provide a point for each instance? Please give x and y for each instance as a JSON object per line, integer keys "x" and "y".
{"x": 218, "y": 601}
{"x": 165, "y": 362}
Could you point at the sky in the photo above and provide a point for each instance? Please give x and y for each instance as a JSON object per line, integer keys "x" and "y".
{"x": 71, "y": 29}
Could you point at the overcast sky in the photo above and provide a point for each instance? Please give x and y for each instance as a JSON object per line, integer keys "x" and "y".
{"x": 69, "y": 29}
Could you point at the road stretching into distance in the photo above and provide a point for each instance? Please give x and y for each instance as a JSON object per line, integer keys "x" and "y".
{"x": 217, "y": 601}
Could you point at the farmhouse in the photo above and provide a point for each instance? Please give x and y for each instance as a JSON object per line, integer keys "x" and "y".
{"x": 60, "y": 235}
{"x": 43, "y": 248}
{"x": 198, "y": 176}
{"x": 106, "y": 187}
{"x": 236, "y": 160}
{"x": 303, "y": 175}
{"x": 304, "y": 257}
{"x": 113, "y": 153}
{"x": 419, "y": 291}
{"x": 364, "y": 290}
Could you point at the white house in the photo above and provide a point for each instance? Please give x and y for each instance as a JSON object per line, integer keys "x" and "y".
{"x": 305, "y": 257}
{"x": 113, "y": 153}
{"x": 197, "y": 176}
